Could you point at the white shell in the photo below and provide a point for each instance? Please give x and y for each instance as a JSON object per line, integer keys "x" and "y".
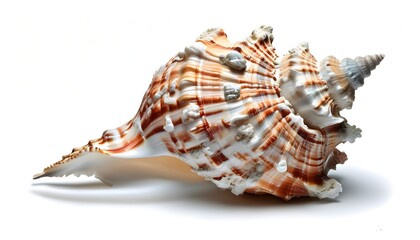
{"x": 239, "y": 118}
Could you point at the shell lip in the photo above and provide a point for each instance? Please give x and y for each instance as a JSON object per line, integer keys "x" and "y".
{"x": 38, "y": 175}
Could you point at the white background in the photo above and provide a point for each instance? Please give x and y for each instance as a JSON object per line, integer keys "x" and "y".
{"x": 71, "y": 69}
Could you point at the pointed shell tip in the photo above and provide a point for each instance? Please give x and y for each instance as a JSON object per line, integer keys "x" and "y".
{"x": 38, "y": 175}
{"x": 381, "y": 56}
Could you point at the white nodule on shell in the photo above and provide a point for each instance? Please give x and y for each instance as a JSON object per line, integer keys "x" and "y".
{"x": 169, "y": 126}
{"x": 196, "y": 49}
{"x": 234, "y": 60}
{"x": 149, "y": 100}
{"x": 172, "y": 87}
{"x": 206, "y": 149}
{"x": 304, "y": 46}
{"x": 180, "y": 56}
{"x": 263, "y": 32}
{"x": 159, "y": 94}
{"x": 149, "y": 111}
{"x": 191, "y": 112}
{"x": 231, "y": 92}
{"x": 169, "y": 100}
{"x": 254, "y": 141}
{"x": 245, "y": 132}
{"x": 282, "y": 166}
{"x": 238, "y": 118}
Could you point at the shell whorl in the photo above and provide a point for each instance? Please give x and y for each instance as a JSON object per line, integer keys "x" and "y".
{"x": 360, "y": 68}
{"x": 345, "y": 76}
{"x": 302, "y": 86}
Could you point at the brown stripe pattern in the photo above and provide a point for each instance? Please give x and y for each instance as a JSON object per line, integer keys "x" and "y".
{"x": 238, "y": 118}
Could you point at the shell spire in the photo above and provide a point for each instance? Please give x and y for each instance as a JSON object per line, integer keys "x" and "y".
{"x": 345, "y": 76}
{"x": 360, "y": 68}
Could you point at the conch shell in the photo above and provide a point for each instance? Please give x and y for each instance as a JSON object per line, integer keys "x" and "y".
{"x": 238, "y": 118}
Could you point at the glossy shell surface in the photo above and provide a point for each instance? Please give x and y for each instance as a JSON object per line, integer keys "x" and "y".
{"x": 239, "y": 118}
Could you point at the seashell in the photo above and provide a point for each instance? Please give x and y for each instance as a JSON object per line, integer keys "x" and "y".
{"x": 238, "y": 118}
